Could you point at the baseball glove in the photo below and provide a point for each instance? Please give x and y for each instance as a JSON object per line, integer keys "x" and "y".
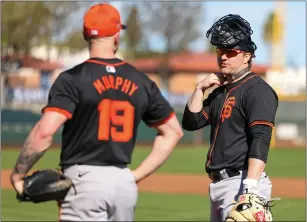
{"x": 45, "y": 185}
{"x": 251, "y": 207}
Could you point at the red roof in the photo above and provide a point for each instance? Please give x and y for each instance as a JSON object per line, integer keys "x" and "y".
{"x": 40, "y": 64}
{"x": 36, "y": 63}
{"x": 188, "y": 62}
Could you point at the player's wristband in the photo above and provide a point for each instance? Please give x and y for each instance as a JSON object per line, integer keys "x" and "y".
{"x": 250, "y": 186}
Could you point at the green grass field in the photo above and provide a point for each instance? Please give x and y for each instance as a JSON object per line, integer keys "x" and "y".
{"x": 281, "y": 162}
{"x": 165, "y": 207}
{"x": 150, "y": 207}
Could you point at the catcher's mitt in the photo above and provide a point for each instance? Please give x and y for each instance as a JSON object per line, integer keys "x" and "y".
{"x": 251, "y": 207}
{"x": 45, "y": 185}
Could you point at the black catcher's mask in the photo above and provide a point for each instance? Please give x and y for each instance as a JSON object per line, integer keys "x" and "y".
{"x": 232, "y": 31}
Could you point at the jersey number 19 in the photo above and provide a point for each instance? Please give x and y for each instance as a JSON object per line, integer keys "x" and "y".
{"x": 114, "y": 114}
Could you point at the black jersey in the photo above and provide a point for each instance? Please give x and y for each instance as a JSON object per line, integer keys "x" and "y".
{"x": 230, "y": 110}
{"x": 104, "y": 100}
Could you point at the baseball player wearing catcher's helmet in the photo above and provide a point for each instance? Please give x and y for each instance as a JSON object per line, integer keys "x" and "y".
{"x": 101, "y": 102}
{"x": 241, "y": 113}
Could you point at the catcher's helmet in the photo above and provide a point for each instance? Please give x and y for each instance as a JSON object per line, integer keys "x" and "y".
{"x": 232, "y": 31}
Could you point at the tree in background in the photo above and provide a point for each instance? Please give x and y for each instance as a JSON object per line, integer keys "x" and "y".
{"x": 210, "y": 48}
{"x": 133, "y": 34}
{"x": 60, "y": 24}
{"x": 74, "y": 42}
{"x": 268, "y": 32}
{"x": 176, "y": 23}
{"x": 272, "y": 31}
{"x": 22, "y": 24}
{"x": 28, "y": 24}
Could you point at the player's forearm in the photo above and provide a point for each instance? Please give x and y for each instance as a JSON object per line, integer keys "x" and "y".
{"x": 195, "y": 103}
{"x": 32, "y": 150}
{"x": 162, "y": 148}
{"x": 255, "y": 168}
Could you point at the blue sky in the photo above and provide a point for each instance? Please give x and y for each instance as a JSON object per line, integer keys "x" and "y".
{"x": 256, "y": 14}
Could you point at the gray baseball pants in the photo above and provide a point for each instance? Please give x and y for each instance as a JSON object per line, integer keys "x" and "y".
{"x": 225, "y": 192}
{"x": 100, "y": 193}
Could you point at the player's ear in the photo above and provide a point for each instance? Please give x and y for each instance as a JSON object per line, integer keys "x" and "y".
{"x": 116, "y": 41}
{"x": 247, "y": 57}
{"x": 117, "y": 37}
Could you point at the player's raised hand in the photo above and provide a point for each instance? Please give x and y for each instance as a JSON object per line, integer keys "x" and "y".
{"x": 212, "y": 79}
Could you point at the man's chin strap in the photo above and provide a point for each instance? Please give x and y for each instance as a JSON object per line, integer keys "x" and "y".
{"x": 240, "y": 73}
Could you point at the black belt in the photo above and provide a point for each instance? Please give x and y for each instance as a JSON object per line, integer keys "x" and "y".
{"x": 216, "y": 176}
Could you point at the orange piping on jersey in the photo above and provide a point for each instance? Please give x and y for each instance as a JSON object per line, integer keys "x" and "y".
{"x": 59, "y": 110}
{"x": 104, "y": 63}
{"x": 217, "y": 128}
{"x": 261, "y": 123}
{"x": 206, "y": 115}
{"x": 163, "y": 121}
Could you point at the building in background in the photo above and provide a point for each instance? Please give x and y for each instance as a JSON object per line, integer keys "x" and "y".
{"x": 288, "y": 82}
{"x": 67, "y": 58}
{"x": 27, "y": 80}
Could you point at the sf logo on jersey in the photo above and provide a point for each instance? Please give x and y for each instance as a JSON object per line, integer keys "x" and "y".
{"x": 227, "y": 109}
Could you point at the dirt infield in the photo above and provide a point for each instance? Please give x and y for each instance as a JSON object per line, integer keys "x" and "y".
{"x": 197, "y": 184}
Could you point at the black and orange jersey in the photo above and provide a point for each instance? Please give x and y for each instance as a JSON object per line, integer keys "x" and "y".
{"x": 104, "y": 100}
{"x": 230, "y": 110}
